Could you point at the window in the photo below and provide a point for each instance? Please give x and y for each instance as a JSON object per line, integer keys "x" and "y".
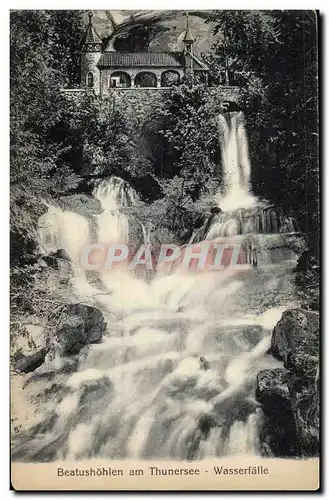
{"x": 90, "y": 80}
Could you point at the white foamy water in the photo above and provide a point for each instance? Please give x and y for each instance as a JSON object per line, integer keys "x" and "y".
{"x": 175, "y": 374}
{"x": 236, "y": 190}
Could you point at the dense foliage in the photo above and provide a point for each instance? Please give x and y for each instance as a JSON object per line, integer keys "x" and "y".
{"x": 38, "y": 167}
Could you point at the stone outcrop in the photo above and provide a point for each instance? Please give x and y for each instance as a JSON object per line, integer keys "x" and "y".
{"x": 56, "y": 259}
{"x": 82, "y": 204}
{"x": 73, "y": 326}
{"x": 272, "y": 390}
{"x": 290, "y": 395}
{"x": 278, "y": 435}
{"x": 29, "y": 363}
{"x": 295, "y": 340}
{"x": 69, "y": 328}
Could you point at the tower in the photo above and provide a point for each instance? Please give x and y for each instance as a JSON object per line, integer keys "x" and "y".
{"x": 91, "y": 49}
{"x": 188, "y": 51}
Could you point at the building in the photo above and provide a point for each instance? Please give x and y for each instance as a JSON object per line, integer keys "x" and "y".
{"x": 103, "y": 68}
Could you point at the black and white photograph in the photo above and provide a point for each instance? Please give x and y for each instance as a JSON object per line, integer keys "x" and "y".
{"x": 164, "y": 249}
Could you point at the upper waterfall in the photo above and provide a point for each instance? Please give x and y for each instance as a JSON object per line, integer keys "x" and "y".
{"x": 236, "y": 190}
{"x": 114, "y": 193}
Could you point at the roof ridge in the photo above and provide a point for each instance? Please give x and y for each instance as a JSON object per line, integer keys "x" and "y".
{"x": 199, "y": 61}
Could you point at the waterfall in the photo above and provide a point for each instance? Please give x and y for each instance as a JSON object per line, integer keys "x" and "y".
{"x": 60, "y": 229}
{"x": 236, "y": 190}
{"x": 242, "y": 217}
{"x": 114, "y": 193}
{"x": 174, "y": 377}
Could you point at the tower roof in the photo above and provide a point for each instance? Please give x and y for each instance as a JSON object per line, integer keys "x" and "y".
{"x": 188, "y": 37}
{"x": 90, "y": 35}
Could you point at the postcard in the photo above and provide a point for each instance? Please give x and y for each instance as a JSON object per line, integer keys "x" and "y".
{"x": 165, "y": 270}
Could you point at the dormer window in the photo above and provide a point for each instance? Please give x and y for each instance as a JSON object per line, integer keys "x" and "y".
{"x": 90, "y": 80}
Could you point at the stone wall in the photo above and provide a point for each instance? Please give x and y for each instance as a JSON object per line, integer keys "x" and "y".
{"x": 225, "y": 93}
{"x": 141, "y": 100}
{"x": 146, "y": 96}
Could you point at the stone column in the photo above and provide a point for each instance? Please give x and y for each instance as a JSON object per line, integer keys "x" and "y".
{"x": 158, "y": 82}
{"x": 132, "y": 78}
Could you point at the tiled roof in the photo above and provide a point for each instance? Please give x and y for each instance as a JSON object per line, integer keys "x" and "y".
{"x": 141, "y": 59}
{"x": 90, "y": 36}
{"x": 147, "y": 60}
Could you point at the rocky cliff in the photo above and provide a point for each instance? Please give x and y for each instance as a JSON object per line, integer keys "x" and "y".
{"x": 290, "y": 395}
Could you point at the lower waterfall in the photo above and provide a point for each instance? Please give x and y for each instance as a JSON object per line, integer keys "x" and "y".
{"x": 174, "y": 377}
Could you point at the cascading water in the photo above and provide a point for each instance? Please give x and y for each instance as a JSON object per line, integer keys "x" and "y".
{"x": 113, "y": 194}
{"x": 241, "y": 216}
{"x": 236, "y": 164}
{"x": 175, "y": 375}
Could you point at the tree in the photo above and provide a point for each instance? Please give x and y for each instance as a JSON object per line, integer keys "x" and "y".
{"x": 240, "y": 49}
{"x": 188, "y": 138}
{"x": 286, "y": 122}
{"x": 36, "y": 104}
{"x": 67, "y": 29}
{"x": 37, "y": 155}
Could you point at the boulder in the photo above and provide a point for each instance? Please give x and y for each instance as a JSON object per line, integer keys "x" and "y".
{"x": 272, "y": 390}
{"x": 73, "y": 326}
{"x": 29, "y": 363}
{"x": 295, "y": 340}
{"x": 216, "y": 210}
{"x": 55, "y": 259}
{"x": 305, "y": 406}
{"x": 279, "y": 430}
{"x": 290, "y": 395}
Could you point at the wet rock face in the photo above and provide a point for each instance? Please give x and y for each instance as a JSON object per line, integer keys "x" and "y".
{"x": 305, "y": 406}
{"x": 290, "y": 396}
{"x": 295, "y": 340}
{"x": 279, "y": 430}
{"x": 29, "y": 363}
{"x": 42, "y": 442}
{"x": 73, "y": 326}
{"x": 272, "y": 390}
{"x": 56, "y": 259}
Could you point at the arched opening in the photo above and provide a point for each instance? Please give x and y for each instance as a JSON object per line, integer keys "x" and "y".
{"x": 119, "y": 79}
{"x": 145, "y": 79}
{"x": 90, "y": 80}
{"x": 170, "y": 78}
